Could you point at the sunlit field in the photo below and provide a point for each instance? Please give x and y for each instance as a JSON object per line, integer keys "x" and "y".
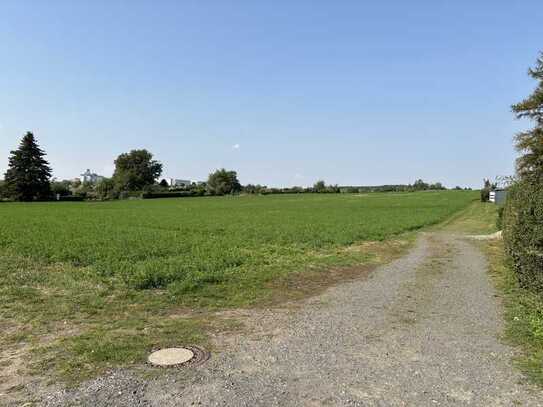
{"x": 185, "y": 244}
{"x": 89, "y": 285}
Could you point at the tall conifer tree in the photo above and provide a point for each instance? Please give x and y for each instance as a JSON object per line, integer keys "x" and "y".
{"x": 530, "y": 143}
{"x": 28, "y": 174}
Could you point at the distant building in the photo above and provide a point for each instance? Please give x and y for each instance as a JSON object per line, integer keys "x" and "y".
{"x": 90, "y": 177}
{"x": 179, "y": 183}
{"x": 497, "y": 196}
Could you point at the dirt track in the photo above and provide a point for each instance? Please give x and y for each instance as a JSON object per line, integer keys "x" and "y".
{"x": 422, "y": 331}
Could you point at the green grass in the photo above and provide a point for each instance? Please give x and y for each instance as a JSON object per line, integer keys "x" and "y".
{"x": 189, "y": 245}
{"x": 523, "y": 314}
{"x": 100, "y": 284}
{"x": 477, "y": 219}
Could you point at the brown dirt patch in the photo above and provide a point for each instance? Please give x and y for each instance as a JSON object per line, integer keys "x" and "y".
{"x": 309, "y": 283}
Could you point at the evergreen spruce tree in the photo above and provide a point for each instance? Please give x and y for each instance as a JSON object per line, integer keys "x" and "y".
{"x": 530, "y": 143}
{"x": 28, "y": 174}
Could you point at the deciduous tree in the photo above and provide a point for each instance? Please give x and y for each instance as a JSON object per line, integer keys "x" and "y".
{"x": 223, "y": 182}
{"x": 319, "y": 186}
{"x": 136, "y": 170}
{"x": 105, "y": 189}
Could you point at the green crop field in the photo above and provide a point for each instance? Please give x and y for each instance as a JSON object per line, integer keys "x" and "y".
{"x": 105, "y": 278}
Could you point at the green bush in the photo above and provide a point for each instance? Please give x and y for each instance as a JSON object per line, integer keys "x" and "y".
{"x": 523, "y": 232}
{"x": 222, "y": 182}
{"x": 3, "y": 190}
{"x": 499, "y": 219}
{"x": 105, "y": 189}
{"x": 179, "y": 194}
{"x": 61, "y": 188}
{"x": 130, "y": 195}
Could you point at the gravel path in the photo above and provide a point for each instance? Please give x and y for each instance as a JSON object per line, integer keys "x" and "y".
{"x": 422, "y": 331}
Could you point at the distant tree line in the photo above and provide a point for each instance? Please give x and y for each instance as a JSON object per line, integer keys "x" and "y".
{"x": 137, "y": 175}
{"x": 418, "y": 185}
{"x": 28, "y": 178}
{"x": 321, "y": 187}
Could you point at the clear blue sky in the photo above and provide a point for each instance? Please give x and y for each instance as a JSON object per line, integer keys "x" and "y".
{"x": 285, "y": 92}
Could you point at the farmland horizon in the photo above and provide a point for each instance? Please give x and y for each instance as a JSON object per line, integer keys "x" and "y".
{"x": 284, "y": 94}
{"x": 432, "y": 185}
{"x": 271, "y": 203}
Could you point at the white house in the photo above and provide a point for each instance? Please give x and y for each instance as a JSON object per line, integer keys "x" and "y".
{"x": 179, "y": 183}
{"x": 90, "y": 177}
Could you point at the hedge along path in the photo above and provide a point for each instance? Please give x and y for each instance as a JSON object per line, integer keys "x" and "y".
{"x": 523, "y": 232}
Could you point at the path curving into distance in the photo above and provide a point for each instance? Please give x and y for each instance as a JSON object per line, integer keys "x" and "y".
{"x": 421, "y": 331}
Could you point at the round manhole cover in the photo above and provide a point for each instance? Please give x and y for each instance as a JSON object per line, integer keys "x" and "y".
{"x": 182, "y": 356}
{"x": 170, "y": 356}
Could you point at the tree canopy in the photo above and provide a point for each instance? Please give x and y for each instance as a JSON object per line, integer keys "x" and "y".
{"x": 136, "y": 170}
{"x": 223, "y": 182}
{"x": 28, "y": 175}
{"x": 530, "y": 143}
{"x": 319, "y": 186}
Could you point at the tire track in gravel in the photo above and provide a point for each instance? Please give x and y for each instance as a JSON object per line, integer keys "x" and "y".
{"x": 421, "y": 331}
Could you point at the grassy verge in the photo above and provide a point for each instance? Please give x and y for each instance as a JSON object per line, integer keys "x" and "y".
{"x": 477, "y": 219}
{"x": 523, "y": 312}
